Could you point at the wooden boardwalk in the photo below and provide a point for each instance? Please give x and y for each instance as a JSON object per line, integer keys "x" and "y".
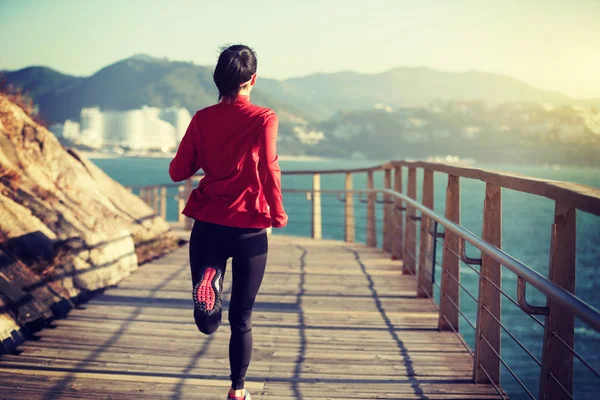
{"x": 332, "y": 321}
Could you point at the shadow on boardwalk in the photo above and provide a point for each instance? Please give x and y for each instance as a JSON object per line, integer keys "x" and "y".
{"x": 327, "y": 323}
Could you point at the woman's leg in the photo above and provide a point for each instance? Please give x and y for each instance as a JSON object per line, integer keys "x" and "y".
{"x": 208, "y": 260}
{"x": 249, "y": 263}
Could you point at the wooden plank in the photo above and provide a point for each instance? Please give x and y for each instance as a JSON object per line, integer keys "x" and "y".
{"x": 487, "y": 343}
{"x": 424, "y": 282}
{"x": 449, "y": 288}
{"x": 317, "y": 229}
{"x": 349, "y": 231}
{"x": 557, "y": 359}
{"x": 410, "y": 238}
{"x": 342, "y": 320}
{"x": 371, "y": 222}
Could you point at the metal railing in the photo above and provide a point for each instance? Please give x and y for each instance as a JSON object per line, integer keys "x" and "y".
{"x": 409, "y": 231}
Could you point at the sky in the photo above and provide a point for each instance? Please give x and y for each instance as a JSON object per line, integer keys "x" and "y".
{"x": 549, "y": 44}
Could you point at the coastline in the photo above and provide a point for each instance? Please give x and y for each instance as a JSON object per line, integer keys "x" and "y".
{"x": 98, "y": 155}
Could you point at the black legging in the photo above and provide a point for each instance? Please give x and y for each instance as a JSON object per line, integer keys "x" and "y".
{"x": 212, "y": 245}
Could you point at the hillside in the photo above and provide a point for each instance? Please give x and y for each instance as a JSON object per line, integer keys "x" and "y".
{"x": 516, "y": 133}
{"x": 403, "y": 87}
{"x": 128, "y": 84}
{"x": 144, "y": 80}
{"x": 405, "y": 112}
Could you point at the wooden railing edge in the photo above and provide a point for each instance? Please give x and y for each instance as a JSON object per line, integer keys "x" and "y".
{"x": 582, "y": 197}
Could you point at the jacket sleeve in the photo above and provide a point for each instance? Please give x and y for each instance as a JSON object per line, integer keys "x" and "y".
{"x": 187, "y": 160}
{"x": 269, "y": 171}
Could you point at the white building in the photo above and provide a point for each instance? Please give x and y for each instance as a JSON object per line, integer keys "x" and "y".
{"x": 133, "y": 129}
{"x": 158, "y": 134}
{"x": 112, "y": 133}
{"x": 92, "y": 127}
{"x": 149, "y": 128}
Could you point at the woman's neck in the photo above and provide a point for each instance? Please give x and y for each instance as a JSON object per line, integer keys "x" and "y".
{"x": 245, "y": 92}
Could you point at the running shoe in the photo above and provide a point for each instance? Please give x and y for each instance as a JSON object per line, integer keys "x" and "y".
{"x": 246, "y": 396}
{"x": 207, "y": 298}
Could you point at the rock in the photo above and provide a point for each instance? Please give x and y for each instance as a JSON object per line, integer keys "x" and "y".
{"x": 66, "y": 228}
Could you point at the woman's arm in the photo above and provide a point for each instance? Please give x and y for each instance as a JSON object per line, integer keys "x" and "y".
{"x": 187, "y": 160}
{"x": 269, "y": 171}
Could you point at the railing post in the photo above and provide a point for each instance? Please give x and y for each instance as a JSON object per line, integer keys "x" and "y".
{"x": 181, "y": 204}
{"x": 317, "y": 232}
{"x": 410, "y": 239}
{"x": 425, "y": 285}
{"x": 142, "y": 194}
{"x": 188, "y": 192}
{"x": 371, "y": 226}
{"x": 387, "y": 212}
{"x": 163, "y": 202}
{"x": 397, "y": 218}
{"x": 487, "y": 339}
{"x": 155, "y": 199}
{"x": 349, "y": 211}
{"x": 449, "y": 289}
{"x": 557, "y": 360}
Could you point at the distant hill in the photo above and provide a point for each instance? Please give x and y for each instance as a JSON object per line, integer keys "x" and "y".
{"x": 514, "y": 133}
{"x": 589, "y": 103}
{"x": 403, "y": 87}
{"x": 144, "y": 80}
{"x": 128, "y": 84}
{"x": 405, "y": 112}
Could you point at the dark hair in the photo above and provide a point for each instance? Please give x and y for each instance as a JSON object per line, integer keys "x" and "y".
{"x": 236, "y": 65}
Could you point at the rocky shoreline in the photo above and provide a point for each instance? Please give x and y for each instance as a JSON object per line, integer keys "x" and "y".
{"x": 67, "y": 230}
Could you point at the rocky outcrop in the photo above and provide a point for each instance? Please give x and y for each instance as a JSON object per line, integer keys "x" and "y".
{"x": 66, "y": 228}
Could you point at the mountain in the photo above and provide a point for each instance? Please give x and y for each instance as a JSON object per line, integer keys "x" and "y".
{"x": 129, "y": 84}
{"x": 405, "y": 112}
{"x": 403, "y": 87}
{"x": 145, "y": 80}
{"x": 510, "y": 133}
{"x": 40, "y": 81}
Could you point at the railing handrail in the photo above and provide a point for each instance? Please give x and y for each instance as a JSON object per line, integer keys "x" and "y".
{"x": 159, "y": 185}
{"x": 380, "y": 167}
{"x": 582, "y": 197}
{"x": 578, "y": 307}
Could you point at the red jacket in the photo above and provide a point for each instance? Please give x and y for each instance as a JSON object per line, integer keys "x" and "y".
{"x": 235, "y": 146}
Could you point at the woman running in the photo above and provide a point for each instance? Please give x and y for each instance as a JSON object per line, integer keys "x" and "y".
{"x": 234, "y": 143}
